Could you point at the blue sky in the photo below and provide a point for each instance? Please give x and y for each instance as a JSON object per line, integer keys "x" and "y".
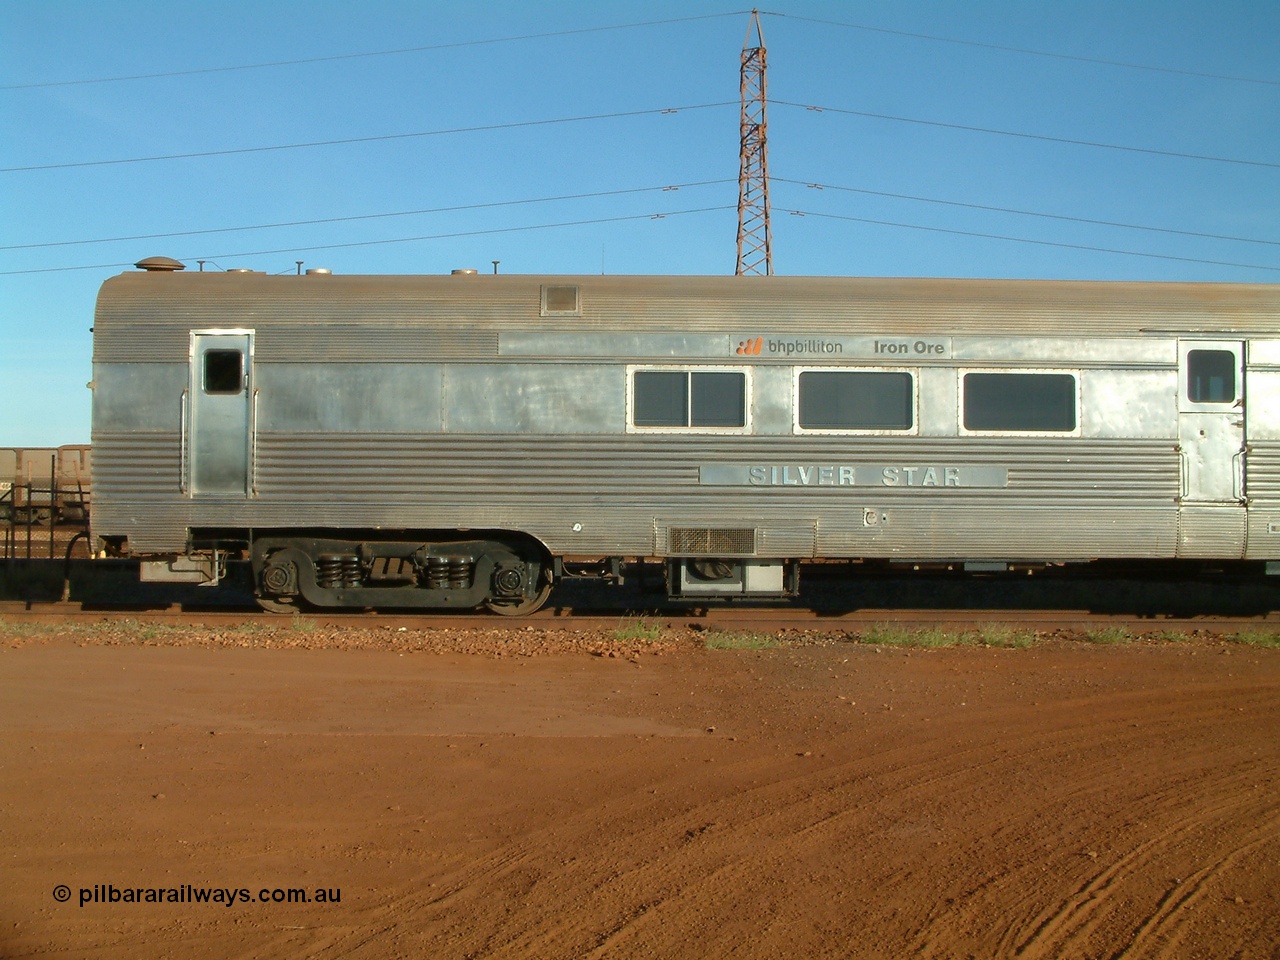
{"x": 1159, "y": 114}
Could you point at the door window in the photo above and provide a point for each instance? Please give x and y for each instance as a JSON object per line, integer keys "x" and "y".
{"x": 1211, "y": 376}
{"x": 223, "y": 371}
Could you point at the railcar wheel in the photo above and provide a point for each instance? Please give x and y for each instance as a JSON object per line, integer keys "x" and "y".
{"x": 277, "y": 605}
{"x": 520, "y": 608}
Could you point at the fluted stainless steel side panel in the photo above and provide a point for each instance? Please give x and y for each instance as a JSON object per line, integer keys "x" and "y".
{"x": 1064, "y": 494}
{"x": 1205, "y": 532}
{"x": 1028, "y": 533}
{"x": 1263, "y": 466}
{"x": 1262, "y": 486}
{"x": 136, "y": 486}
{"x": 1062, "y": 500}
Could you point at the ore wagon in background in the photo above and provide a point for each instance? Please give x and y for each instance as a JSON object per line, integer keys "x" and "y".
{"x": 43, "y": 485}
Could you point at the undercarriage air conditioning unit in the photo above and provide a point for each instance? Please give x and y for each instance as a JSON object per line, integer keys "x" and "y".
{"x": 726, "y": 578}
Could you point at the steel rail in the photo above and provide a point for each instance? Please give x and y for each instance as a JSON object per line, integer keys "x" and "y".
{"x": 710, "y": 618}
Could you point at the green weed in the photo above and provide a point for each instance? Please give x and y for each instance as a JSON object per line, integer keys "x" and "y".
{"x": 1108, "y": 635}
{"x": 1257, "y": 638}
{"x": 888, "y": 635}
{"x": 640, "y": 629}
{"x": 726, "y": 640}
{"x": 1005, "y": 635}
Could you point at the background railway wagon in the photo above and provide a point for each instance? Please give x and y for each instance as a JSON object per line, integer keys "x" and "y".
{"x": 45, "y": 484}
{"x": 45, "y": 501}
{"x": 735, "y": 425}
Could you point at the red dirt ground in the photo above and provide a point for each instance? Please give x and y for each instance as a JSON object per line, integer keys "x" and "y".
{"x": 597, "y": 799}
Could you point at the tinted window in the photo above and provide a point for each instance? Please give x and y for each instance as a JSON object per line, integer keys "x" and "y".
{"x": 1211, "y": 376}
{"x": 678, "y": 398}
{"x": 719, "y": 400}
{"x": 1020, "y": 401}
{"x": 223, "y": 371}
{"x": 848, "y": 400}
{"x": 660, "y": 399}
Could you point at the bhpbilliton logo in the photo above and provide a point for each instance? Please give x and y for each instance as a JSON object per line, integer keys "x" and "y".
{"x": 751, "y": 347}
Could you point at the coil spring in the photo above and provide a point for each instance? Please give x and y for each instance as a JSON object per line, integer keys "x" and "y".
{"x": 450, "y": 573}
{"x": 338, "y": 570}
{"x": 460, "y": 572}
{"x": 437, "y": 573}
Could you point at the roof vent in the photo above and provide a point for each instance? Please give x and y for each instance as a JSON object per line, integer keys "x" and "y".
{"x": 465, "y": 272}
{"x": 160, "y": 265}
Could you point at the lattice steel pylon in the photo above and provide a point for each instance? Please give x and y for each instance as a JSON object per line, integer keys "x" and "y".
{"x": 755, "y": 251}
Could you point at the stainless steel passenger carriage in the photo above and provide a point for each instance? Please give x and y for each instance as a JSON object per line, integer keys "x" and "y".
{"x": 462, "y": 440}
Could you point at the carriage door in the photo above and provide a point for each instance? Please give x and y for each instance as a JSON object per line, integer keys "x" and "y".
{"x": 219, "y": 426}
{"x": 1211, "y": 444}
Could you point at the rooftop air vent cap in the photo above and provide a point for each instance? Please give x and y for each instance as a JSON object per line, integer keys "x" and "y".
{"x": 160, "y": 265}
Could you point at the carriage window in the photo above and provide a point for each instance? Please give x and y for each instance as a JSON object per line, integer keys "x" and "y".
{"x": 693, "y": 398}
{"x": 1211, "y": 376}
{"x": 661, "y": 399}
{"x": 856, "y": 400}
{"x": 718, "y": 400}
{"x": 1025, "y": 402}
{"x": 223, "y": 371}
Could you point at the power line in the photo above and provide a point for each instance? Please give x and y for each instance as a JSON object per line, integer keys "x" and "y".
{"x": 368, "y": 216}
{"x": 383, "y": 137}
{"x": 1027, "y": 213}
{"x": 1029, "y": 52}
{"x": 675, "y": 213}
{"x": 635, "y": 190}
{"x": 358, "y": 56}
{"x": 639, "y": 113}
{"x": 368, "y": 140}
{"x": 1043, "y": 243}
{"x": 1028, "y": 136}
{"x": 933, "y": 38}
{"x": 374, "y": 243}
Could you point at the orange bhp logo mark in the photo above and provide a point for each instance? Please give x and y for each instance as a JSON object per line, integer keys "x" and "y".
{"x": 750, "y": 348}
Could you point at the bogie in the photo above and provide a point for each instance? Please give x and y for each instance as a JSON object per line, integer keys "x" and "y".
{"x": 505, "y": 575}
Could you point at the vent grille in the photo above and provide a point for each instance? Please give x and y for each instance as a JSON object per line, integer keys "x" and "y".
{"x": 707, "y": 541}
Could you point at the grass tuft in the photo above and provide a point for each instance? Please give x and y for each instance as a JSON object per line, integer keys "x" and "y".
{"x": 726, "y": 640}
{"x": 640, "y": 629}
{"x": 1108, "y": 635}
{"x": 1005, "y": 635}
{"x": 1257, "y": 638}
{"x": 888, "y": 635}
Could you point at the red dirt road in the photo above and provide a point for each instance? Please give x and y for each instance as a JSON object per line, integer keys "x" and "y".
{"x": 819, "y": 801}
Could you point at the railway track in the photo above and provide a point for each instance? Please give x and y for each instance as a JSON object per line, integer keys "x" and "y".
{"x": 830, "y": 605}
{"x": 765, "y": 620}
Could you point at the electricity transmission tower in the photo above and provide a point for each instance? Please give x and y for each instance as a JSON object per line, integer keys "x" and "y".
{"x": 755, "y": 252}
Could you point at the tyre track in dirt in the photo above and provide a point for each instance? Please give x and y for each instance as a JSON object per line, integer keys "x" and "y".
{"x": 1159, "y": 811}
{"x": 1076, "y": 924}
{"x": 1162, "y": 934}
{"x": 747, "y": 836}
{"x": 820, "y": 802}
